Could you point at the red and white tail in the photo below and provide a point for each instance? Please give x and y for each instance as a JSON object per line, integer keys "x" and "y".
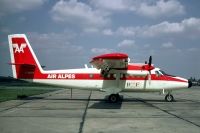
{"x": 23, "y": 60}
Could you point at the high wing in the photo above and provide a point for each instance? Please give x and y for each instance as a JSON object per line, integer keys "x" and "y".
{"x": 106, "y": 62}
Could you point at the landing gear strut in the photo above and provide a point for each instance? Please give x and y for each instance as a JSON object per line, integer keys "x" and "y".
{"x": 169, "y": 98}
{"x": 113, "y": 98}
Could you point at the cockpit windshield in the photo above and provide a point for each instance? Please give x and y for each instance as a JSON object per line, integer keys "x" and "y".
{"x": 161, "y": 71}
{"x": 164, "y": 73}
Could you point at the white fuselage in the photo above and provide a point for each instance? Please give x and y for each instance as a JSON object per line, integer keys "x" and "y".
{"x": 119, "y": 82}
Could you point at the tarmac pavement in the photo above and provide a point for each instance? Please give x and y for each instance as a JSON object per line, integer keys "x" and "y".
{"x": 89, "y": 112}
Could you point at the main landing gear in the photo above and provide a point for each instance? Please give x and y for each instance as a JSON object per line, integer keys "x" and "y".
{"x": 169, "y": 97}
{"x": 114, "y": 98}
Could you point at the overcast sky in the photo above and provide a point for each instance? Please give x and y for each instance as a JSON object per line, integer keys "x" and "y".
{"x": 68, "y": 33}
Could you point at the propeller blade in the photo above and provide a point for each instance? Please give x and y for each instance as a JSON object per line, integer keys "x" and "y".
{"x": 150, "y": 60}
{"x": 149, "y": 69}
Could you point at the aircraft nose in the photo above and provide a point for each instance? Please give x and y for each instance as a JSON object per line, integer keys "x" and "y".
{"x": 189, "y": 83}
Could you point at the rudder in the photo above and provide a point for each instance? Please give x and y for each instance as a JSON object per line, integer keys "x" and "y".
{"x": 23, "y": 60}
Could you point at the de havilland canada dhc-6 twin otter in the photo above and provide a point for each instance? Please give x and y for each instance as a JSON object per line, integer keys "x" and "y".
{"x": 112, "y": 73}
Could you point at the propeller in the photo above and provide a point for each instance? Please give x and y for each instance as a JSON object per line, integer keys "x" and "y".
{"x": 150, "y": 61}
{"x": 149, "y": 76}
{"x": 148, "y": 66}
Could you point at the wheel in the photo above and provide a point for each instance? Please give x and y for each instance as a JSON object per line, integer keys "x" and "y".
{"x": 113, "y": 98}
{"x": 169, "y": 98}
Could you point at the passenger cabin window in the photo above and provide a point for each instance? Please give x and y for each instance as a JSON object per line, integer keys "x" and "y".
{"x": 127, "y": 75}
{"x": 108, "y": 76}
{"x": 114, "y": 75}
{"x": 121, "y": 75}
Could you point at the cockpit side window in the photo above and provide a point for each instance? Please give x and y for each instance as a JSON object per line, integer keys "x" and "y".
{"x": 163, "y": 73}
{"x": 158, "y": 73}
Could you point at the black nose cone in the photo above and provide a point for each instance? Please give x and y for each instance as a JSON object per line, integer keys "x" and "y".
{"x": 189, "y": 84}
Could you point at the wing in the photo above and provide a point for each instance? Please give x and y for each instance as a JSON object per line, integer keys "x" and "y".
{"x": 106, "y": 62}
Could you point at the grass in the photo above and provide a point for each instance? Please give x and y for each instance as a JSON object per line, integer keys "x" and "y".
{"x": 10, "y": 92}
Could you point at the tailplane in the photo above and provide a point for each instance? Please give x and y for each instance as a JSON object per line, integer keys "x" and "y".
{"x": 23, "y": 60}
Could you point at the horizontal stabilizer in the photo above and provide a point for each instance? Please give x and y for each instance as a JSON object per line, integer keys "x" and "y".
{"x": 24, "y": 64}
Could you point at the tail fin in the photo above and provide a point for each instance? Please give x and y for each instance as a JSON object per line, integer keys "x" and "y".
{"x": 23, "y": 60}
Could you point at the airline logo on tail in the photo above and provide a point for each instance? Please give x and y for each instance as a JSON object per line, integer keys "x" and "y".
{"x": 23, "y": 60}
{"x": 19, "y": 49}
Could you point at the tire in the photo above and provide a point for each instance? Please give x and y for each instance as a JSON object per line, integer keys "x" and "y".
{"x": 169, "y": 98}
{"x": 113, "y": 98}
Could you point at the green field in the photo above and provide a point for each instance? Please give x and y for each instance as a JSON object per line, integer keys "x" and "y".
{"x": 11, "y": 92}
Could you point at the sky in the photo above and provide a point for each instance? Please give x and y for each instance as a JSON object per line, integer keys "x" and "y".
{"x": 68, "y": 33}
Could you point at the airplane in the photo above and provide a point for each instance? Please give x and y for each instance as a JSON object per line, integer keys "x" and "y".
{"x": 112, "y": 73}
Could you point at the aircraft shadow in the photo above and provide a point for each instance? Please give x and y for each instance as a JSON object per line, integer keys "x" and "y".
{"x": 73, "y": 99}
{"x": 104, "y": 104}
{"x": 105, "y": 100}
{"x": 31, "y": 98}
{"x": 142, "y": 100}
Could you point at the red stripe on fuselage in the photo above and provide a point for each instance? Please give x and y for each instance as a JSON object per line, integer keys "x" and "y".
{"x": 96, "y": 76}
